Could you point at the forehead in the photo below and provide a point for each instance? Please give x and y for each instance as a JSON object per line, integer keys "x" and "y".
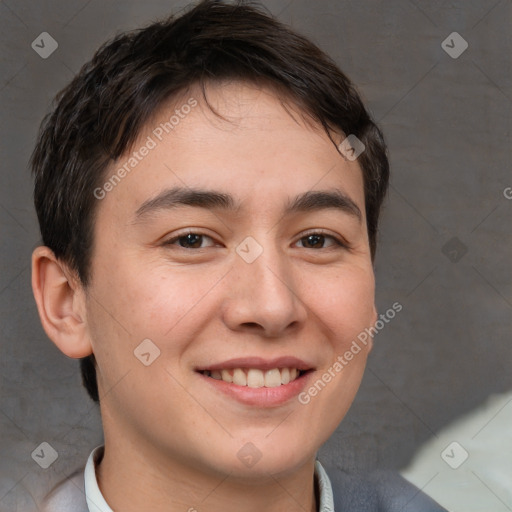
{"x": 244, "y": 139}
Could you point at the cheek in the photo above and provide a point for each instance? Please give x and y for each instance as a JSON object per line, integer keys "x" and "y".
{"x": 343, "y": 303}
{"x": 344, "y": 309}
{"x": 130, "y": 305}
{"x": 153, "y": 301}
{"x": 168, "y": 299}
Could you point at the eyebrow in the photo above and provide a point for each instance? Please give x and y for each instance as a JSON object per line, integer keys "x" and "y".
{"x": 312, "y": 200}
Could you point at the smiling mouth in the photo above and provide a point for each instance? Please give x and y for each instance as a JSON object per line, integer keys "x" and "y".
{"x": 256, "y": 378}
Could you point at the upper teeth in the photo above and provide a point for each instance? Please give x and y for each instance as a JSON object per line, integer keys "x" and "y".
{"x": 254, "y": 378}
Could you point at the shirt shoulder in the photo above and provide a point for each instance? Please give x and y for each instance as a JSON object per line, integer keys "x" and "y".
{"x": 380, "y": 491}
{"x": 67, "y": 496}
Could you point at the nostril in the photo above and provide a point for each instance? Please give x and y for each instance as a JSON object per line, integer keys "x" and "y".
{"x": 251, "y": 324}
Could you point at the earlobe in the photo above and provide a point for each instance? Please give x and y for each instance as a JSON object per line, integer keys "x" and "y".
{"x": 60, "y": 303}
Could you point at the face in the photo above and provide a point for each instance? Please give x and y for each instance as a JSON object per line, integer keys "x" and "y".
{"x": 237, "y": 249}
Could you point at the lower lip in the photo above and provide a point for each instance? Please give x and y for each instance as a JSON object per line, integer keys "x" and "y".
{"x": 260, "y": 397}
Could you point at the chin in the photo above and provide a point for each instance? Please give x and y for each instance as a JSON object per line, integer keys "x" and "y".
{"x": 261, "y": 456}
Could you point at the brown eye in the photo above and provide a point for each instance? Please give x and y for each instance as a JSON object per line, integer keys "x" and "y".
{"x": 189, "y": 241}
{"x": 317, "y": 241}
{"x": 313, "y": 241}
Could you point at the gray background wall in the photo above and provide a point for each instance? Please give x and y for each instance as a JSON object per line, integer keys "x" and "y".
{"x": 448, "y": 124}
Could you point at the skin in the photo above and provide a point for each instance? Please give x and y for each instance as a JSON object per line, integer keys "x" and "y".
{"x": 171, "y": 440}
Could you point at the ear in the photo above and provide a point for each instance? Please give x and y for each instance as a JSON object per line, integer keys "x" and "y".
{"x": 60, "y": 302}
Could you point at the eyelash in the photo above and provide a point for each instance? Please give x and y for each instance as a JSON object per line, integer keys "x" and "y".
{"x": 340, "y": 243}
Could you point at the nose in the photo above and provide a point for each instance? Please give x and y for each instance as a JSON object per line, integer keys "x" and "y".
{"x": 263, "y": 297}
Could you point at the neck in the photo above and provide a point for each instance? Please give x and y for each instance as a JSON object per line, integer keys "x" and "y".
{"x": 136, "y": 479}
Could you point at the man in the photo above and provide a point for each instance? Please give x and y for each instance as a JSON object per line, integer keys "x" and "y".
{"x": 208, "y": 190}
